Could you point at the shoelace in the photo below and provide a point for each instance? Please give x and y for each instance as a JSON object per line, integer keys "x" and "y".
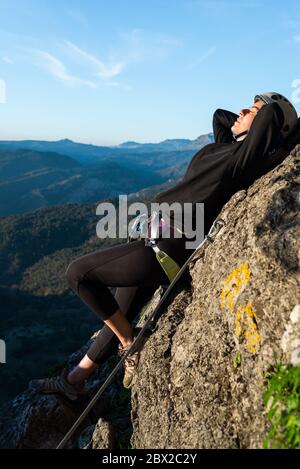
{"x": 128, "y": 361}
{"x": 53, "y": 383}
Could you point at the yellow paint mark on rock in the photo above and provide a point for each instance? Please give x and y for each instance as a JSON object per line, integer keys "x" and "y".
{"x": 246, "y": 325}
{"x": 234, "y": 285}
{"x": 245, "y": 316}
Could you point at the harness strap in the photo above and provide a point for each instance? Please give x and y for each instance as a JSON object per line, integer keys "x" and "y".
{"x": 168, "y": 264}
{"x": 170, "y": 267}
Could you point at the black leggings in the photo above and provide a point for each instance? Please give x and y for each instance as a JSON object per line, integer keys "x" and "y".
{"x": 134, "y": 269}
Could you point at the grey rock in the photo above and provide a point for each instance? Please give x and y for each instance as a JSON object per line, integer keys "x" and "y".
{"x": 290, "y": 342}
{"x": 201, "y": 376}
{"x": 101, "y": 436}
{"x": 35, "y": 421}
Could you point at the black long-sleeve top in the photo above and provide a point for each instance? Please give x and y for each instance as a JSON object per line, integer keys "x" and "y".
{"x": 222, "y": 168}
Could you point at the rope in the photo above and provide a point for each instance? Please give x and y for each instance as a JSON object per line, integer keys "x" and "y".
{"x": 217, "y": 225}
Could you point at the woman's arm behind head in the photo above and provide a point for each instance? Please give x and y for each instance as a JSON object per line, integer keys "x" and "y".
{"x": 222, "y": 122}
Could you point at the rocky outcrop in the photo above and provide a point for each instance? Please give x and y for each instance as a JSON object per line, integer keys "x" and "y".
{"x": 100, "y": 436}
{"x": 202, "y": 374}
{"x": 33, "y": 421}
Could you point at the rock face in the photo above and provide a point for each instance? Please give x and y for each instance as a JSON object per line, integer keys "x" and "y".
{"x": 201, "y": 375}
{"x": 34, "y": 421}
{"x": 101, "y": 436}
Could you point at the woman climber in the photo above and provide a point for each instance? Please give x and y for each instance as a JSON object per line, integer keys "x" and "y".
{"x": 246, "y": 146}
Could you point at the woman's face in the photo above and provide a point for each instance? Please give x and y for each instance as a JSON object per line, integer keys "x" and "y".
{"x": 246, "y": 117}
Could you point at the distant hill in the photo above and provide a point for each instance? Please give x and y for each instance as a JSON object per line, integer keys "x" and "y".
{"x": 35, "y": 174}
{"x": 30, "y": 180}
{"x": 180, "y": 144}
{"x": 42, "y": 320}
{"x": 26, "y": 238}
{"x": 91, "y": 154}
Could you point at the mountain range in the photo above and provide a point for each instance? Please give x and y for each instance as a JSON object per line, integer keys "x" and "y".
{"x": 35, "y": 174}
{"x": 88, "y": 154}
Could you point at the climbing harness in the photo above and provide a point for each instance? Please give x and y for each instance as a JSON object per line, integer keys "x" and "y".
{"x": 147, "y": 327}
{"x": 156, "y": 225}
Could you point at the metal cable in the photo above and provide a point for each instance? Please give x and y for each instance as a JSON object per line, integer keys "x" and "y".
{"x": 209, "y": 238}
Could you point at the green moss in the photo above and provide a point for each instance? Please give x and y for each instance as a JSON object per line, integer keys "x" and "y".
{"x": 282, "y": 402}
{"x": 237, "y": 361}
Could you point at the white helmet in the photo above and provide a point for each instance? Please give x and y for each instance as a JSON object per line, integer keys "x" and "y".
{"x": 289, "y": 112}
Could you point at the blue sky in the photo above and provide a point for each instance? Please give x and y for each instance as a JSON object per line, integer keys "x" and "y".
{"x": 104, "y": 72}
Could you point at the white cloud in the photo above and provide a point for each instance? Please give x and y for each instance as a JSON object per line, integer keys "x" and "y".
{"x": 136, "y": 47}
{"x": 104, "y": 71}
{"x": 169, "y": 42}
{"x": 58, "y": 69}
{"x": 203, "y": 57}
{"x": 8, "y": 60}
{"x": 149, "y": 47}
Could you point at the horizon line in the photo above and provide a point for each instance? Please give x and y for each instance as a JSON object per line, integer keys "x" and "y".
{"x": 102, "y": 145}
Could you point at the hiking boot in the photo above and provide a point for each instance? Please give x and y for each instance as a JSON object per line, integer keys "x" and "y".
{"x": 58, "y": 385}
{"x": 131, "y": 362}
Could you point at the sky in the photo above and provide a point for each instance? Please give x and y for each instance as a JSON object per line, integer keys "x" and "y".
{"x": 105, "y": 72}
